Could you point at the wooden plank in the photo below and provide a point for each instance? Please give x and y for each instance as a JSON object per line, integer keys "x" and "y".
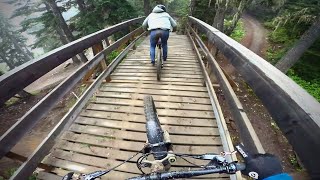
{"x": 42, "y": 175}
{"x": 157, "y": 82}
{"x": 81, "y": 168}
{"x": 166, "y": 65}
{"x": 164, "y": 75}
{"x": 165, "y": 71}
{"x": 105, "y": 128}
{"x": 99, "y": 161}
{"x": 119, "y": 155}
{"x": 152, "y": 67}
{"x": 139, "y": 103}
{"x": 135, "y": 146}
{"x": 94, "y": 161}
{"x": 186, "y": 59}
{"x": 155, "y": 79}
{"x": 155, "y": 91}
{"x": 161, "y": 112}
{"x": 157, "y": 86}
{"x": 141, "y": 118}
{"x": 168, "y": 98}
{"x": 169, "y": 69}
{"x": 108, "y": 176}
{"x": 139, "y": 127}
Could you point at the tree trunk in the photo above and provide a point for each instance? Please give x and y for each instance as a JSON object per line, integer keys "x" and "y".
{"x": 18, "y": 47}
{"x": 294, "y": 54}
{"x": 146, "y": 7}
{"x": 242, "y": 5}
{"x": 191, "y": 7}
{"x": 81, "y": 5}
{"x": 221, "y": 8}
{"x": 63, "y": 25}
{"x": 63, "y": 37}
{"x": 9, "y": 64}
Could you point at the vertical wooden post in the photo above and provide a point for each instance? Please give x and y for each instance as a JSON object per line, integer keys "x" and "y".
{"x": 96, "y": 49}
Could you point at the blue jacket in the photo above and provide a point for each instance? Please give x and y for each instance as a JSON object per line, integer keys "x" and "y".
{"x": 282, "y": 176}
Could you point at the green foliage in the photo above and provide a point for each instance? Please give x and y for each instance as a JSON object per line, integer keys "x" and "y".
{"x": 203, "y": 11}
{"x": 9, "y": 172}
{"x": 102, "y": 13}
{"x": 12, "y": 45}
{"x": 313, "y": 88}
{"x": 286, "y": 24}
{"x": 239, "y": 32}
{"x": 179, "y": 9}
{"x": 112, "y": 56}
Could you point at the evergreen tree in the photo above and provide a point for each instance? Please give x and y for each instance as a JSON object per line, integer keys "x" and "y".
{"x": 13, "y": 50}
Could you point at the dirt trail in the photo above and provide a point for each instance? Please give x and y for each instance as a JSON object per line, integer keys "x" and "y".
{"x": 255, "y": 38}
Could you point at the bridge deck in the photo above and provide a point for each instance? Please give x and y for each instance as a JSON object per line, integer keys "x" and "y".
{"x": 111, "y": 128}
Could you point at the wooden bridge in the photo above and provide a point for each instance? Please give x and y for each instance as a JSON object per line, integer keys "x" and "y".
{"x": 106, "y": 125}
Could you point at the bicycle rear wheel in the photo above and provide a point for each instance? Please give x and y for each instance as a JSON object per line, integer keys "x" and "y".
{"x": 159, "y": 63}
{"x": 153, "y": 128}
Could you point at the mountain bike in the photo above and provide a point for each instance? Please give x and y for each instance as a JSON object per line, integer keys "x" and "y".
{"x": 160, "y": 148}
{"x": 159, "y": 59}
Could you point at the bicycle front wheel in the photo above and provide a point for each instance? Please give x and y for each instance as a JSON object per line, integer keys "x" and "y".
{"x": 153, "y": 128}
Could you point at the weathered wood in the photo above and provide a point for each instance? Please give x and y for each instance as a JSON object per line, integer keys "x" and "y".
{"x": 88, "y": 127}
{"x": 27, "y": 168}
{"x": 48, "y": 176}
{"x": 81, "y": 168}
{"x": 169, "y": 98}
{"x": 138, "y": 110}
{"x": 20, "y": 77}
{"x": 138, "y": 127}
{"x": 96, "y": 115}
{"x": 224, "y": 133}
{"x": 161, "y": 83}
{"x": 134, "y": 146}
{"x": 156, "y": 91}
{"x": 111, "y": 127}
{"x": 164, "y": 75}
{"x": 157, "y": 86}
{"x": 107, "y": 152}
{"x": 139, "y": 103}
{"x": 17, "y": 131}
{"x": 247, "y": 133}
{"x": 295, "y": 111}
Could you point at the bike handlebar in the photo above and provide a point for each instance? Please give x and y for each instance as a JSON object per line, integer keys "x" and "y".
{"x": 231, "y": 169}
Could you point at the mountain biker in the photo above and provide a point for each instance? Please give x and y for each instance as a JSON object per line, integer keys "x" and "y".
{"x": 265, "y": 167}
{"x": 159, "y": 22}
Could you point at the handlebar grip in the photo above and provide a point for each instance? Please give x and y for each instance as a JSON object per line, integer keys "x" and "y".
{"x": 243, "y": 152}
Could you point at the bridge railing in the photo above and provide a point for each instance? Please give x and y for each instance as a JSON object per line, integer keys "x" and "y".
{"x": 15, "y": 80}
{"x": 295, "y": 111}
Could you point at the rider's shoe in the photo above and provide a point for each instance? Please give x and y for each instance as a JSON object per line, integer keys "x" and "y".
{"x": 153, "y": 63}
